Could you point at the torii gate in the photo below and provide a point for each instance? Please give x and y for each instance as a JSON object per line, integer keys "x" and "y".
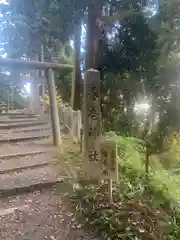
{"x": 49, "y": 68}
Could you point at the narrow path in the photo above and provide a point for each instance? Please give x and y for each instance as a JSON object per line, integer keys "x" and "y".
{"x": 30, "y": 205}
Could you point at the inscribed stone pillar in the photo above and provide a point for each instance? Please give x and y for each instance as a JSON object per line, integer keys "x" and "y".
{"x": 92, "y": 123}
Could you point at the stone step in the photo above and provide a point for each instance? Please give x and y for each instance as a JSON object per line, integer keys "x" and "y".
{"x": 22, "y": 168}
{"x": 24, "y": 137}
{"x": 16, "y": 163}
{"x": 17, "y": 114}
{"x": 21, "y": 125}
{"x": 24, "y": 147}
{"x": 32, "y": 129}
{"x": 23, "y": 116}
{"x": 38, "y": 128}
{"x": 17, "y": 155}
{"x": 13, "y": 121}
{"x": 29, "y": 180}
{"x": 13, "y": 134}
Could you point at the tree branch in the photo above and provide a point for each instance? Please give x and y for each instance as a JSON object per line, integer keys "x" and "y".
{"x": 119, "y": 16}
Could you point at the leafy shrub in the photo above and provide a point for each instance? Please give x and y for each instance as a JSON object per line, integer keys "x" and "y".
{"x": 162, "y": 183}
{"x": 164, "y": 187}
{"x": 141, "y": 209}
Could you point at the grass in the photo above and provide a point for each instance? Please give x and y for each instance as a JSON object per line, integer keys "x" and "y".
{"x": 141, "y": 209}
{"x": 71, "y": 159}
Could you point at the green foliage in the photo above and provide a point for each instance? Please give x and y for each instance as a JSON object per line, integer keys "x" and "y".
{"x": 164, "y": 186}
{"x": 161, "y": 182}
{"x": 134, "y": 49}
{"x": 143, "y": 62}
{"x": 130, "y": 65}
{"x": 64, "y": 80}
{"x": 175, "y": 230}
{"x": 141, "y": 209}
{"x": 12, "y": 91}
{"x": 28, "y": 25}
{"x": 130, "y": 152}
{"x": 128, "y": 218}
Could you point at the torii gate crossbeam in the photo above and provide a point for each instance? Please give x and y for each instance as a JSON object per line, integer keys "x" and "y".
{"x": 48, "y": 67}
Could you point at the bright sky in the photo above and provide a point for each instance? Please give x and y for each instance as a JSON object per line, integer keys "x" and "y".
{"x": 27, "y": 86}
{"x": 3, "y": 1}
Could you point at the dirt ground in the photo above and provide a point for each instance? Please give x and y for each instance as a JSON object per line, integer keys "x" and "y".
{"x": 39, "y": 215}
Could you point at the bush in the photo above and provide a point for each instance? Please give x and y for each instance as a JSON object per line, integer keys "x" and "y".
{"x": 142, "y": 209}
{"x": 161, "y": 182}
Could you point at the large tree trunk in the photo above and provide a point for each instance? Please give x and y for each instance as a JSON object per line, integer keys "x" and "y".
{"x": 77, "y": 78}
{"x": 91, "y": 36}
{"x": 94, "y": 36}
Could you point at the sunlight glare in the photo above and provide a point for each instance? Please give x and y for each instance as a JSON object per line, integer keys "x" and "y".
{"x": 27, "y": 86}
{"x": 142, "y": 107}
{"x": 3, "y": 2}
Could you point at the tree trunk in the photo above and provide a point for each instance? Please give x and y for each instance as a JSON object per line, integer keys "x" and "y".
{"x": 77, "y": 78}
{"x": 94, "y": 36}
{"x": 147, "y": 158}
{"x": 91, "y": 37}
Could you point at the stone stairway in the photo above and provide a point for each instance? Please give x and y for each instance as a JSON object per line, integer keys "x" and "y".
{"x": 26, "y": 162}
{"x": 32, "y": 187}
